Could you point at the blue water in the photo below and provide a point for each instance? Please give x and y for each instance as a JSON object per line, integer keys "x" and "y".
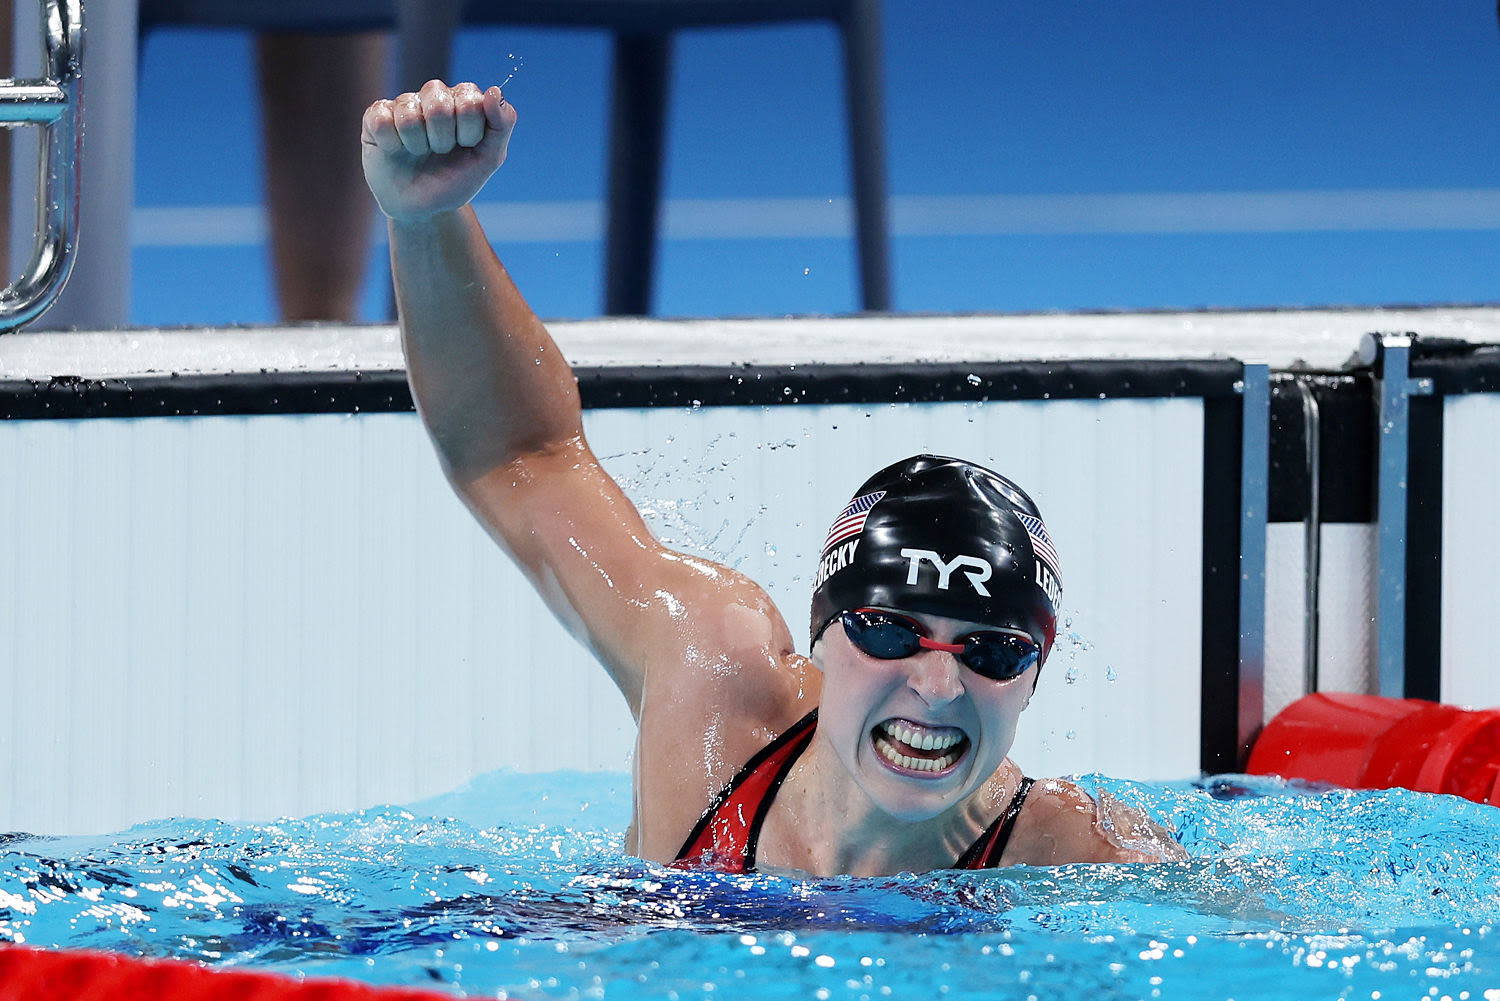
{"x": 515, "y": 886}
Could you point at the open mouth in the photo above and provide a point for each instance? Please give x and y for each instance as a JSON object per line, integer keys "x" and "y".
{"x": 912, "y": 748}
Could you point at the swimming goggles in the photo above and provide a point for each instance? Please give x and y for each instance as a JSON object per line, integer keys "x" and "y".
{"x": 999, "y": 656}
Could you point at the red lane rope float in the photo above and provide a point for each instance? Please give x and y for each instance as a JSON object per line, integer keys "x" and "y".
{"x": 28, "y": 974}
{"x": 1375, "y": 742}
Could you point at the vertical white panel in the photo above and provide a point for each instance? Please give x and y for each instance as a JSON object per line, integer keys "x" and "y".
{"x": 37, "y": 606}
{"x": 327, "y": 490}
{"x": 1346, "y": 604}
{"x": 1471, "y": 550}
{"x": 1346, "y": 613}
{"x": 12, "y": 473}
{"x": 1121, "y": 488}
{"x": 1285, "y": 617}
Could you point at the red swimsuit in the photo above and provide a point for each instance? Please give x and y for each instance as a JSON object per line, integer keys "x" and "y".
{"x": 727, "y": 836}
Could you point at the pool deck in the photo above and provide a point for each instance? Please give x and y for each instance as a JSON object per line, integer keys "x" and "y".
{"x": 1318, "y": 340}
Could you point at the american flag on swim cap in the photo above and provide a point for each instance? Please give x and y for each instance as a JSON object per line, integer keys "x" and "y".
{"x": 1041, "y": 542}
{"x": 851, "y": 520}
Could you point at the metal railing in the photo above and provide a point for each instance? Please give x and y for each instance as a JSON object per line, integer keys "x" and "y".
{"x": 53, "y": 103}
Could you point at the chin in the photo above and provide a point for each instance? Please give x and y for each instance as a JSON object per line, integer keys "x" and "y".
{"x": 916, "y": 794}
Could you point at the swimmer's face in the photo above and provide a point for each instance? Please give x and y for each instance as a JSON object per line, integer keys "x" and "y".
{"x": 918, "y": 734}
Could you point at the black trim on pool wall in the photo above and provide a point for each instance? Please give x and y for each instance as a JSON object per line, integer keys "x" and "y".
{"x": 71, "y": 397}
{"x": 1473, "y": 369}
{"x": 1424, "y": 549}
{"x": 1346, "y": 475}
{"x": 1223, "y": 444}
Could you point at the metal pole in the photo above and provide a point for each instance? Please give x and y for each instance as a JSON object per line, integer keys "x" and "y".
{"x": 637, "y": 137}
{"x": 866, "y": 106}
{"x": 1390, "y": 354}
{"x": 1312, "y": 534}
{"x": 52, "y": 103}
{"x": 1255, "y": 454}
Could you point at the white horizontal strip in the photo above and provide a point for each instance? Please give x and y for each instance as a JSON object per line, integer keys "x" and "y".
{"x": 1322, "y": 339}
{"x": 945, "y": 215}
{"x": 1200, "y": 212}
{"x": 198, "y": 226}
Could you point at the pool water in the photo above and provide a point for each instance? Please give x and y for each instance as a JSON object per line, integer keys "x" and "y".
{"x": 515, "y": 886}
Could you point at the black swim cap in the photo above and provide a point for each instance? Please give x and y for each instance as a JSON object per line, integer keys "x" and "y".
{"x": 943, "y": 537}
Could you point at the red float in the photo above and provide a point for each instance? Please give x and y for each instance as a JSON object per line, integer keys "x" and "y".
{"x": 28, "y": 974}
{"x": 1373, "y": 742}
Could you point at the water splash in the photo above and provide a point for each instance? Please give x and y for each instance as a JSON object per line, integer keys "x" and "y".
{"x": 516, "y": 886}
{"x": 517, "y": 63}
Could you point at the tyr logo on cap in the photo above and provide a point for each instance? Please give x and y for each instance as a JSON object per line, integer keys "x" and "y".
{"x": 980, "y": 573}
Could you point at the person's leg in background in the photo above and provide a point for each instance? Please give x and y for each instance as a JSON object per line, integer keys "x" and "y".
{"x": 321, "y": 212}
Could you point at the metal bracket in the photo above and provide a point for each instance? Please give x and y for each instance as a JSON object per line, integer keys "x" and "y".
{"x": 1389, "y": 356}
{"x": 1312, "y": 531}
{"x": 1255, "y": 458}
{"x": 52, "y": 102}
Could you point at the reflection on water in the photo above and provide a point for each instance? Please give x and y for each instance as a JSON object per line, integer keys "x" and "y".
{"x": 516, "y": 887}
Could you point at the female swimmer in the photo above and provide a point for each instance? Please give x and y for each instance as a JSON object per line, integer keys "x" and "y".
{"x": 934, "y": 610}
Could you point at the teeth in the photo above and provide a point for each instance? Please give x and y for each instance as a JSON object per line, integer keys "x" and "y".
{"x": 909, "y": 763}
{"x": 923, "y": 739}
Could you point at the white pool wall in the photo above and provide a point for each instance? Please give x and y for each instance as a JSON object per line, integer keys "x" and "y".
{"x": 1470, "y": 629}
{"x": 1347, "y": 584}
{"x": 249, "y": 617}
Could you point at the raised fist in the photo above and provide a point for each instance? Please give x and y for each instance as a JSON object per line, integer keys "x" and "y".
{"x": 430, "y": 152}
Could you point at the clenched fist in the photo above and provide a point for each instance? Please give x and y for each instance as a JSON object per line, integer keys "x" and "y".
{"x": 430, "y": 152}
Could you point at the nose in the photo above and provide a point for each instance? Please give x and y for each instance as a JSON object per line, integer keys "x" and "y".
{"x": 936, "y": 677}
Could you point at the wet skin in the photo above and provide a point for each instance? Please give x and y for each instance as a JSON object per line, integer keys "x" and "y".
{"x": 849, "y": 807}
{"x": 865, "y": 698}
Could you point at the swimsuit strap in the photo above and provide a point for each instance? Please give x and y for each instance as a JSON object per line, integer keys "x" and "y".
{"x": 985, "y": 853}
{"x": 729, "y": 831}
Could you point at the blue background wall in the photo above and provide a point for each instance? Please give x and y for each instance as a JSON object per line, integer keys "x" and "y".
{"x": 1294, "y": 154}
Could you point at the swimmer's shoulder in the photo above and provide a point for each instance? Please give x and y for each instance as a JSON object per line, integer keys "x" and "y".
{"x": 1061, "y": 824}
{"x": 727, "y": 686}
{"x": 694, "y": 740}
{"x": 733, "y": 656}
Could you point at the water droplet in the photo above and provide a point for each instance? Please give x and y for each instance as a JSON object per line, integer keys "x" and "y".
{"x": 1071, "y": 735}
{"x": 974, "y": 380}
{"x": 807, "y": 271}
{"x": 1110, "y": 674}
{"x": 517, "y": 64}
{"x": 770, "y": 549}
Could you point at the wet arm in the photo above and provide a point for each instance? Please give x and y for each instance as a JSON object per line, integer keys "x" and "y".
{"x": 503, "y": 410}
{"x": 1063, "y": 824}
{"x": 488, "y": 380}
